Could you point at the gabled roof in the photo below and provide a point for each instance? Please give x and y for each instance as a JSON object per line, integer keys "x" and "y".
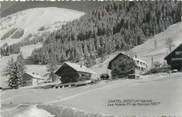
{"x": 120, "y": 54}
{"x": 34, "y": 76}
{"x": 40, "y": 69}
{"x": 79, "y": 68}
{"x": 179, "y": 47}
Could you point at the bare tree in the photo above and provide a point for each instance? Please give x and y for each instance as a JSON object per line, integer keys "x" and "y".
{"x": 156, "y": 64}
{"x": 155, "y": 44}
{"x": 169, "y": 44}
{"x": 131, "y": 53}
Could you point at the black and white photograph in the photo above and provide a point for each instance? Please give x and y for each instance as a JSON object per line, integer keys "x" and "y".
{"x": 79, "y": 58}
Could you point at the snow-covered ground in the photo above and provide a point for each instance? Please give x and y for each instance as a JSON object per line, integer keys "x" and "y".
{"x": 165, "y": 92}
{"x": 27, "y": 50}
{"x": 147, "y": 50}
{"x": 94, "y": 98}
{"x": 27, "y": 111}
{"x": 32, "y": 20}
{"x": 33, "y": 111}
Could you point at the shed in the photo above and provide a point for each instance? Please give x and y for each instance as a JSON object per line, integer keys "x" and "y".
{"x": 72, "y": 72}
{"x": 31, "y": 79}
{"x": 174, "y": 59}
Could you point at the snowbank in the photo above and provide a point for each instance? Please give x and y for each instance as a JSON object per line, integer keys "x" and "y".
{"x": 33, "y": 111}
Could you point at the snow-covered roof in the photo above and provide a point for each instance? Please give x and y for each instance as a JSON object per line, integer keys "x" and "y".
{"x": 80, "y": 68}
{"x": 177, "y": 48}
{"x": 35, "y": 75}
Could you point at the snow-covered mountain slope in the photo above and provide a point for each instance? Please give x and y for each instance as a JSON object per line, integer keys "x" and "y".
{"x": 156, "y": 47}
{"x": 147, "y": 50}
{"x": 30, "y": 24}
{"x": 18, "y": 26}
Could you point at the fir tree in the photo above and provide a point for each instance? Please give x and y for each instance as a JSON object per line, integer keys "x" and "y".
{"x": 114, "y": 26}
{"x": 20, "y": 68}
{"x": 51, "y": 67}
{"x": 15, "y": 71}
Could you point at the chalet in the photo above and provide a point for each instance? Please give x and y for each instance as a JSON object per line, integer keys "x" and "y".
{"x": 125, "y": 66}
{"x": 72, "y": 72}
{"x": 174, "y": 59}
{"x": 32, "y": 79}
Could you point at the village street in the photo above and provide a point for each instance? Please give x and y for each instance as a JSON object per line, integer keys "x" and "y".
{"x": 95, "y": 98}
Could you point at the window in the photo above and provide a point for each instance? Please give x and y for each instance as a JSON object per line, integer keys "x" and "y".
{"x": 137, "y": 62}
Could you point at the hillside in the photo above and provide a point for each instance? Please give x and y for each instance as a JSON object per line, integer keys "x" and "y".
{"x": 174, "y": 31}
{"x": 146, "y": 50}
{"x": 84, "y": 6}
{"x": 106, "y": 29}
{"x": 26, "y": 30}
{"x": 32, "y": 25}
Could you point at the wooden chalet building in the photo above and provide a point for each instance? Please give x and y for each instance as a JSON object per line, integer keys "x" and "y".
{"x": 174, "y": 59}
{"x": 125, "y": 66}
{"x": 31, "y": 79}
{"x": 72, "y": 72}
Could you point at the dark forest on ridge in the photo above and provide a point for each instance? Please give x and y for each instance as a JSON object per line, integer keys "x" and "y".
{"x": 109, "y": 28}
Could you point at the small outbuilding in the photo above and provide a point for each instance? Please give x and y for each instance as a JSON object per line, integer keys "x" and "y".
{"x": 72, "y": 72}
{"x": 174, "y": 59}
{"x": 125, "y": 66}
{"x": 31, "y": 79}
